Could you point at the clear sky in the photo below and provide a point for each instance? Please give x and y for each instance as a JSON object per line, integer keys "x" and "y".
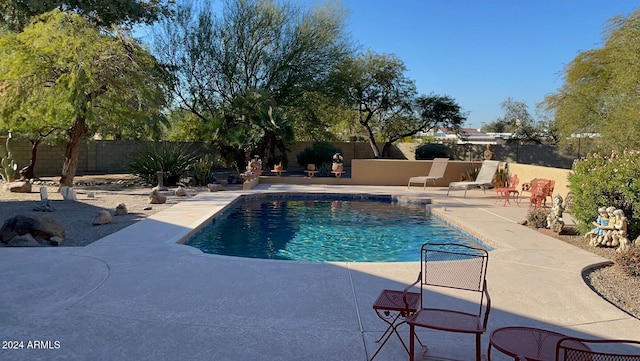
{"x": 480, "y": 52}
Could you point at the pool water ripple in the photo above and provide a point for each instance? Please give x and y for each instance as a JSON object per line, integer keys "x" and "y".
{"x": 326, "y": 230}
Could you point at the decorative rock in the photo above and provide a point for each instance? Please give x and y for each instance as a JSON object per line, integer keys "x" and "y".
{"x": 147, "y": 208}
{"x": 25, "y": 240}
{"x": 157, "y": 198}
{"x": 121, "y": 209}
{"x": 18, "y": 187}
{"x": 44, "y": 206}
{"x": 55, "y": 241}
{"x": 43, "y": 194}
{"x": 181, "y": 192}
{"x": 68, "y": 193}
{"x": 37, "y": 226}
{"x": 213, "y": 187}
{"x": 103, "y": 217}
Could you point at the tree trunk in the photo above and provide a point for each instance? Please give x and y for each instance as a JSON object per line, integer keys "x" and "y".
{"x": 72, "y": 151}
{"x": 372, "y": 142}
{"x": 386, "y": 149}
{"x": 28, "y": 171}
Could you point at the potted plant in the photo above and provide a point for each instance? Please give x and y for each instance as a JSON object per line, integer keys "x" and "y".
{"x": 337, "y": 165}
{"x": 500, "y": 178}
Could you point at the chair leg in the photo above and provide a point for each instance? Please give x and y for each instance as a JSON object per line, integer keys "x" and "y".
{"x": 478, "y": 350}
{"x": 412, "y": 331}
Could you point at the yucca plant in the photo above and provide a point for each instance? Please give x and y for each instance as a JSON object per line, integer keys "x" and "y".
{"x": 202, "y": 170}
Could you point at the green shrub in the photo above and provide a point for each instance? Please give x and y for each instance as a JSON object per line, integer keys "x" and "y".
{"x": 430, "y": 151}
{"x": 629, "y": 261}
{"x": 173, "y": 159}
{"x": 318, "y": 153}
{"x": 603, "y": 181}
{"x": 324, "y": 169}
{"x": 537, "y": 218}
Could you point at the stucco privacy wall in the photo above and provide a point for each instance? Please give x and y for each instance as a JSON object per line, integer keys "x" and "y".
{"x": 398, "y": 172}
{"x": 96, "y": 157}
{"x": 113, "y": 156}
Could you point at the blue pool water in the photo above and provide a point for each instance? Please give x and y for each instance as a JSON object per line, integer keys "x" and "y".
{"x": 341, "y": 228}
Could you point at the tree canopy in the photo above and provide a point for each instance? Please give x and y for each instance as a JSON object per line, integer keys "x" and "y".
{"x": 385, "y": 100}
{"x": 600, "y": 91}
{"x": 63, "y": 73}
{"x": 15, "y": 15}
{"x": 262, "y": 51}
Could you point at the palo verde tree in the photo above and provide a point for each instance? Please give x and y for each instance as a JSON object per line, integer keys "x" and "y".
{"x": 253, "y": 51}
{"x": 518, "y": 121}
{"x": 76, "y": 77}
{"x": 600, "y": 91}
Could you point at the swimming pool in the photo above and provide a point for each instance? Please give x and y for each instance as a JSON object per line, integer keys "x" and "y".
{"x": 326, "y": 228}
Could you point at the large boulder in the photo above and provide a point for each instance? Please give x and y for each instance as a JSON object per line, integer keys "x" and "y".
{"x": 37, "y": 226}
{"x": 121, "y": 209}
{"x": 156, "y": 197}
{"x": 103, "y": 217}
{"x": 18, "y": 187}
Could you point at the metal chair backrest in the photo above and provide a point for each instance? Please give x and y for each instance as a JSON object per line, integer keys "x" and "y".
{"x": 573, "y": 349}
{"x": 453, "y": 266}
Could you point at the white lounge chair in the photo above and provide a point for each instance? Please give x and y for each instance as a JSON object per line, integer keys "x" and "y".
{"x": 484, "y": 178}
{"x": 436, "y": 172}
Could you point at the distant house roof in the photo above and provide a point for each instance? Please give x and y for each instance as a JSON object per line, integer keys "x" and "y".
{"x": 469, "y": 136}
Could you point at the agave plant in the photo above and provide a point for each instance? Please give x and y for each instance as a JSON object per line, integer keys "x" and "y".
{"x": 172, "y": 159}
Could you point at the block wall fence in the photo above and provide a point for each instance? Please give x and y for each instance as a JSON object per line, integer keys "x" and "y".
{"x": 113, "y": 156}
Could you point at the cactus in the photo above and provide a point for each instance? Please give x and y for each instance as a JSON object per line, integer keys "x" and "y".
{"x": 8, "y": 166}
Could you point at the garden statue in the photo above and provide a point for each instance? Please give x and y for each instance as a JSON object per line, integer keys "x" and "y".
{"x": 554, "y": 218}
{"x": 611, "y": 229}
{"x": 596, "y": 235}
{"x": 337, "y": 165}
{"x": 488, "y": 154}
{"x": 254, "y": 169}
{"x": 619, "y": 232}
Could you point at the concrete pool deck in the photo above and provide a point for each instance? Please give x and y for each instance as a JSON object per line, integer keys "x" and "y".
{"x": 137, "y": 295}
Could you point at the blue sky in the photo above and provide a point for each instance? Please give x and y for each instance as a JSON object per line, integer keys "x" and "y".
{"x": 481, "y": 52}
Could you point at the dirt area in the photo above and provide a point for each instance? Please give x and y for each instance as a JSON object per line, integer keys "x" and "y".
{"x": 94, "y": 193}
{"x": 105, "y": 192}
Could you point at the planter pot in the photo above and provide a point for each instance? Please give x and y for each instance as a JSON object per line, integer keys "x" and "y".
{"x": 337, "y": 167}
{"x": 278, "y": 167}
{"x": 311, "y": 167}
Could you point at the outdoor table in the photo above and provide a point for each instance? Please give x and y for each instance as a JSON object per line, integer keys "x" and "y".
{"x": 338, "y": 174}
{"x": 534, "y": 344}
{"x": 391, "y": 309}
{"x": 506, "y": 193}
{"x": 311, "y": 173}
{"x": 278, "y": 172}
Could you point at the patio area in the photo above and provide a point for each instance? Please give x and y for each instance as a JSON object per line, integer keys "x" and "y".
{"x": 138, "y": 295}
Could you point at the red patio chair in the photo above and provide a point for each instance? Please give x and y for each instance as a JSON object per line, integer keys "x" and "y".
{"x": 454, "y": 296}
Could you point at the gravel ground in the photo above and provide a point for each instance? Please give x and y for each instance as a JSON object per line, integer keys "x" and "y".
{"x": 96, "y": 193}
